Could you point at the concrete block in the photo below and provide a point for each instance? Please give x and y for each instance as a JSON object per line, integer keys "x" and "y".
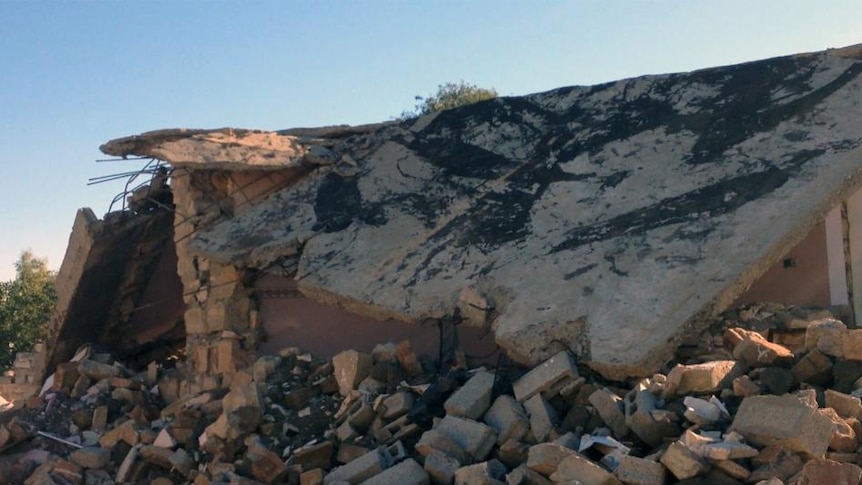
{"x": 524, "y": 476}
{"x": 311, "y": 477}
{"x": 435, "y": 440}
{"x": 785, "y": 420}
{"x": 475, "y": 438}
{"x": 544, "y": 458}
{"x": 579, "y": 468}
{"x": 91, "y": 457}
{"x": 508, "y": 418}
{"x": 97, "y": 370}
{"x": 397, "y": 405}
{"x": 843, "y": 436}
{"x": 408, "y": 472}
{"x": 512, "y": 453}
{"x": 844, "y": 404}
{"x": 610, "y": 408}
{"x": 545, "y": 376}
{"x": 486, "y": 473}
{"x": 639, "y": 471}
{"x": 315, "y": 456}
{"x": 828, "y": 472}
{"x": 852, "y": 344}
{"x": 815, "y": 367}
{"x": 703, "y": 378}
{"x": 441, "y": 467}
{"x": 827, "y": 336}
{"x": 358, "y": 470}
{"x": 473, "y": 398}
{"x": 350, "y": 368}
{"x": 408, "y": 359}
{"x": 732, "y": 469}
{"x": 682, "y": 462}
{"x": 243, "y": 406}
{"x": 645, "y": 419}
{"x": 543, "y": 417}
{"x": 226, "y": 351}
{"x": 756, "y": 351}
{"x": 100, "y": 418}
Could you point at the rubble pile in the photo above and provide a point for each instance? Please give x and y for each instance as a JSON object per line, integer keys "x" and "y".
{"x": 766, "y": 395}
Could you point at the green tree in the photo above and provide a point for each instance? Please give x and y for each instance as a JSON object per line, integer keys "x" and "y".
{"x": 26, "y": 304}
{"x": 449, "y": 95}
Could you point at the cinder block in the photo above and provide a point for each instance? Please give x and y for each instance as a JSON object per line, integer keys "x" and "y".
{"x": 508, "y": 417}
{"x": 473, "y": 398}
{"x": 476, "y": 438}
{"x": 682, "y": 462}
{"x": 543, "y": 417}
{"x": 639, "y": 471}
{"x": 610, "y": 408}
{"x": 545, "y": 376}
{"x": 408, "y": 472}
{"x": 785, "y": 420}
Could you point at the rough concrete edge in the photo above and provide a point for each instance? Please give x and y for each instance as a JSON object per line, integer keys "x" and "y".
{"x": 326, "y": 297}
{"x": 722, "y": 301}
{"x": 72, "y": 269}
{"x": 335, "y": 131}
{"x": 851, "y": 51}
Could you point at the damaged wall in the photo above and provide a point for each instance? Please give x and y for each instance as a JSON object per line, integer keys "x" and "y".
{"x": 113, "y": 288}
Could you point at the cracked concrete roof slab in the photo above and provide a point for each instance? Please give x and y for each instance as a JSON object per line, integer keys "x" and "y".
{"x": 605, "y": 219}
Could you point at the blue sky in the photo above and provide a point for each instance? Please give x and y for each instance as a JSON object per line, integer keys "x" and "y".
{"x": 76, "y": 74}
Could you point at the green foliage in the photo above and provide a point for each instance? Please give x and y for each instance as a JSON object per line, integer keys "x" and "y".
{"x": 26, "y": 304}
{"x": 449, "y": 95}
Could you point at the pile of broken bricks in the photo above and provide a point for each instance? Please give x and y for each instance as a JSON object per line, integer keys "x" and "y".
{"x": 768, "y": 397}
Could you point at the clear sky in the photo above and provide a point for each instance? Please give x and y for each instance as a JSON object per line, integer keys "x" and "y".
{"x": 76, "y": 74}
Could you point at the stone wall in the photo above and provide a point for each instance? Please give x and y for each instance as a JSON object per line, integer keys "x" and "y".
{"x": 221, "y": 318}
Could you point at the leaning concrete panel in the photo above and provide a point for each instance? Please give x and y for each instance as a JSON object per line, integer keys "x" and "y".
{"x": 602, "y": 219}
{"x": 103, "y": 280}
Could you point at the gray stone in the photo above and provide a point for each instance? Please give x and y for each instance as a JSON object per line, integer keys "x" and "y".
{"x": 473, "y": 398}
{"x": 508, "y": 418}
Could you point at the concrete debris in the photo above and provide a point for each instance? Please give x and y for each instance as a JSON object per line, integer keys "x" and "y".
{"x": 287, "y": 420}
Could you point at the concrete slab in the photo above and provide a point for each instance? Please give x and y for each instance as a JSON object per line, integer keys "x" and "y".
{"x": 606, "y": 220}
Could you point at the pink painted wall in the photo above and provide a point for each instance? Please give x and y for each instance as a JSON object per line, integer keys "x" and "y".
{"x": 804, "y": 283}
{"x": 289, "y": 319}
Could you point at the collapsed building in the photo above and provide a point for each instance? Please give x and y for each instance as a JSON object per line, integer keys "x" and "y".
{"x": 610, "y": 221}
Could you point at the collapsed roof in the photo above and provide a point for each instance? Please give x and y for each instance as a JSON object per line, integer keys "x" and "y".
{"x": 603, "y": 219}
